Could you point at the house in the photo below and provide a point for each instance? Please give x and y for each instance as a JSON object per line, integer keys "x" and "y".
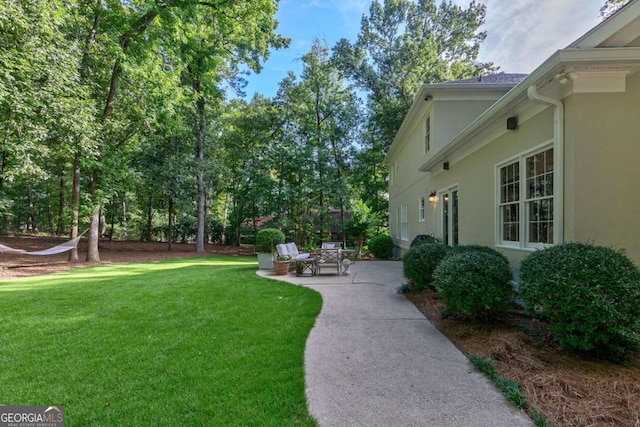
{"x": 520, "y": 162}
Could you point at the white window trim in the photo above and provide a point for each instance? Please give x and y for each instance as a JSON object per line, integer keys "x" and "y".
{"x": 404, "y": 222}
{"x": 422, "y": 206}
{"x": 557, "y": 200}
{"x": 440, "y": 195}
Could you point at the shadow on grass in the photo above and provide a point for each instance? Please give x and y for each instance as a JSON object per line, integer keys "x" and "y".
{"x": 189, "y": 341}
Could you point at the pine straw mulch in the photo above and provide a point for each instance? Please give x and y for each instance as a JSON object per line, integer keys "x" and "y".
{"x": 568, "y": 389}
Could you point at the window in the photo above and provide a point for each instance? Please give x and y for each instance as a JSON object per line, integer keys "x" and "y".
{"x": 404, "y": 222}
{"x": 427, "y": 134}
{"x": 398, "y": 222}
{"x": 540, "y": 197}
{"x": 525, "y": 206}
{"x": 510, "y": 202}
{"x": 421, "y": 206}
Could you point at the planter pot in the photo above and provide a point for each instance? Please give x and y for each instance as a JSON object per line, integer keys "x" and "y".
{"x": 281, "y": 267}
{"x": 265, "y": 261}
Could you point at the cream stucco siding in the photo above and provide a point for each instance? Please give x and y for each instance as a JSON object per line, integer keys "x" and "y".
{"x": 603, "y": 146}
{"x": 475, "y": 176}
{"x": 583, "y": 102}
{"x": 407, "y": 184}
{"x": 449, "y": 118}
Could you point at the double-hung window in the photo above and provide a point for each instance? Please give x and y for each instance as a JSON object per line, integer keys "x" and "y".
{"x": 404, "y": 222}
{"x": 525, "y": 200}
{"x": 421, "y": 207}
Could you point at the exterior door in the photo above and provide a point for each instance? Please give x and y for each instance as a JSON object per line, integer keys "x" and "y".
{"x": 449, "y": 215}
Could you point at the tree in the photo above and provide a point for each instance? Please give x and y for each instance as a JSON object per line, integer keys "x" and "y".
{"x": 320, "y": 123}
{"x": 236, "y": 32}
{"x": 611, "y": 6}
{"x": 44, "y": 111}
{"x": 402, "y": 45}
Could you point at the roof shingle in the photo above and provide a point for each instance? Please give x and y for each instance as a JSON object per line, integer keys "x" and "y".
{"x": 500, "y": 78}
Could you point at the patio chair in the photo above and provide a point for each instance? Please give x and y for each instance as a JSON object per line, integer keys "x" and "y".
{"x": 332, "y": 245}
{"x": 329, "y": 259}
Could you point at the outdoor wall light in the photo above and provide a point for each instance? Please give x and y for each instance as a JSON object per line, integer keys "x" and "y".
{"x": 445, "y": 166}
{"x": 432, "y": 197}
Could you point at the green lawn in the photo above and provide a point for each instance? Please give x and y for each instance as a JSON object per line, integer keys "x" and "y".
{"x": 185, "y": 342}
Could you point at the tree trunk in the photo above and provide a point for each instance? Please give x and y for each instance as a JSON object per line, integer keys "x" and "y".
{"x": 61, "y": 205}
{"x": 94, "y": 226}
{"x": 149, "y": 219}
{"x": 139, "y": 27}
{"x": 75, "y": 204}
{"x": 200, "y": 140}
{"x": 170, "y": 228}
{"x": 225, "y": 214}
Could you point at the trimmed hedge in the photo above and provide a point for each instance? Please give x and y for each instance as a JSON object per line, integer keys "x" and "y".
{"x": 421, "y": 261}
{"x": 268, "y": 238}
{"x": 381, "y": 246}
{"x": 591, "y": 294}
{"x": 475, "y": 282}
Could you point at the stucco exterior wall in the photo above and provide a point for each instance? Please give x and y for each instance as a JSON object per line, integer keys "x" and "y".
{"x": 408, "y": 184}
{"x": 449, "y": 118}
{"x": 603, "y": 145}
{"x": 476, "y": 179}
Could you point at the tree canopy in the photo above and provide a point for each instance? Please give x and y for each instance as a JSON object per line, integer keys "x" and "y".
{"x": 126, "y": 116}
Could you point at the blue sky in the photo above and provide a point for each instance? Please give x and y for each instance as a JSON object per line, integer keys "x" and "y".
{"x": 521, "y": 34}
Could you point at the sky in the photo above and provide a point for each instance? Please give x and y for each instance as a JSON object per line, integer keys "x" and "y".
{"x": 521, "y": 34}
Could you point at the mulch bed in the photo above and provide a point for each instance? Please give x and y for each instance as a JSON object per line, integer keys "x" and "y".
{"x": 567, "y": 388}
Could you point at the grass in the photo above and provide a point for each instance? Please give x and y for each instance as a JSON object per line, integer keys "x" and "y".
{"x": 510, "y": 389}
{"x": 197, "y": 341}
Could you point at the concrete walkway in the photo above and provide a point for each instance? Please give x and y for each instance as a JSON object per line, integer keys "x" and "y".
{"x": 372, "y": 359}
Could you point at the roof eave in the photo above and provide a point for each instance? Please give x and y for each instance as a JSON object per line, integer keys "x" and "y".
{"x": 545, "y": 73}
{"x": 427, "y": 93}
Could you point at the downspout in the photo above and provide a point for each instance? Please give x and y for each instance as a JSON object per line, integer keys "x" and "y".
{"x": 558, "y": 159}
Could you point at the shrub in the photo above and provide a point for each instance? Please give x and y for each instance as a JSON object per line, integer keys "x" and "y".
{"x": 421, "y": 261}
{"x": 591, "y": 295}
{"x": 475, "y": 282}
{"x": 268, "y": 238}
{"x": 381, "y": 246}
{"x": 477, "y": 248}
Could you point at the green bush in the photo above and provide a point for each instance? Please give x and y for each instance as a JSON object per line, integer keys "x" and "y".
{"x": 475, "y": 248}
{"x": 381, "y": 246}
{"x": 591, "y": 294}
{"x": 268, "y": 238}
{"x": 421, "y": 261}
{"x": 475, "y": 282}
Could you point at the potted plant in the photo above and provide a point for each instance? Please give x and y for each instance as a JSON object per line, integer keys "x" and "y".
{"x": 266, "y": 242}
{"x": 281, "y": 264}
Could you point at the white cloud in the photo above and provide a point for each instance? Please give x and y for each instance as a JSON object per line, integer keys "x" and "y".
{"x": 522, "y": 34}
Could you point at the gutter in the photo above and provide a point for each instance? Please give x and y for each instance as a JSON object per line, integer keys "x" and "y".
{"x": 558, "y": 158}
{"x": 545, "y": 73}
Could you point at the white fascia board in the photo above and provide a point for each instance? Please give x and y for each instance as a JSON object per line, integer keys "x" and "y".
{"x": 605, "y": 33}
{"x": 420, "y": 105}
{"x": 429, "y": 93}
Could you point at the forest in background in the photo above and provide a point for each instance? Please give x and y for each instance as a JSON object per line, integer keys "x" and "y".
{"x": 126, "y": 116}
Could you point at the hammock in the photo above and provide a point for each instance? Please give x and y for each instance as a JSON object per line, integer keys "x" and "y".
{"x": 58, "y": 249}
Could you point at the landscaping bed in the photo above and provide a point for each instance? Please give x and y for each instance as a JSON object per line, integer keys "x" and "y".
{"x": 566, "y": 388}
